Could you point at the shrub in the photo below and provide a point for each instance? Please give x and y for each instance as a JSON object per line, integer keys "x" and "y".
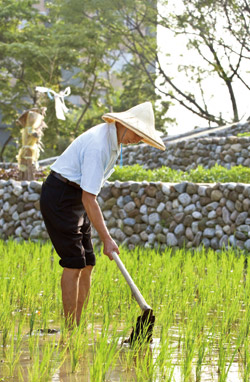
{"x": 217, "y": 174}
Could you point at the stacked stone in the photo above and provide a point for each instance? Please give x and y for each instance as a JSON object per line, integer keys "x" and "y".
{"x": 188, "y": 154}
{"x": 20, "y": 215}
{"x": 238, "y": 128}
{"x": 158, "y": 214}
{"x": 145, "y": 214}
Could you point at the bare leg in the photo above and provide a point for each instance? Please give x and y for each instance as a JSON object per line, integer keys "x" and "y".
{"x": 69, "y": 285}
{"x": 83, "y": 291}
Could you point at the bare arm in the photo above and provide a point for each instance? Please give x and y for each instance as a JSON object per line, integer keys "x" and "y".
{"x": 95, "y": 216}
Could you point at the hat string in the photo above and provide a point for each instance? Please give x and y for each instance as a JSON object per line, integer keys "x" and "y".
{"x": 121, "y": 162}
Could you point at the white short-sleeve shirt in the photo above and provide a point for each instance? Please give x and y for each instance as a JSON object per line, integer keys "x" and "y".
{"x": 90, "y": 159}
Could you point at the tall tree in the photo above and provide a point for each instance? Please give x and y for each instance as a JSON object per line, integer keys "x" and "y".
{"x": 216, "y": 31}
{"x": 219, "y": 32}
{"x": 110, "y": 21}
{"x": 53, "y": 50}
{"x": 115, "y": 20}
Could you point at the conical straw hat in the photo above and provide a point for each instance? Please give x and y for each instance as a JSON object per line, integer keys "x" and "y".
{"x": 139, "y": 119}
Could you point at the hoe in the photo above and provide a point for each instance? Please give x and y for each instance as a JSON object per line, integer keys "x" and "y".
{"x": 143, "y": 330}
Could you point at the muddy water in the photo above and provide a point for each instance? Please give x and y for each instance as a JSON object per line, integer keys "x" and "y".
{"x": 120, "y": 372}
{"x": 209, "y": 369}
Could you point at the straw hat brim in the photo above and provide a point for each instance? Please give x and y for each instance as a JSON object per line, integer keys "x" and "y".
{"x": 156, "y": 142}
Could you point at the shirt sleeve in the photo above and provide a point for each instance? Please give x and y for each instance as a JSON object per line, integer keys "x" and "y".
{"x": 92, "y": 170}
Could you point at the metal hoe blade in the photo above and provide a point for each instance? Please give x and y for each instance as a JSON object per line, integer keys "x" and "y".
{"x": 143, "y": 330}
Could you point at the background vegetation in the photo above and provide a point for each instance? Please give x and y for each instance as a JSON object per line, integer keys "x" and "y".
{"x": 216, "y": 174}
{"x": 107, "y": 52}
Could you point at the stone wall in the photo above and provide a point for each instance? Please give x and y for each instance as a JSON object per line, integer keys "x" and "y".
{"x": 20, "y": 215}
{"x": 234, "y": 129}
{"x": 188, "y": 154}
{"x": 146, "y": 214}
{"x": 223, "y": 147}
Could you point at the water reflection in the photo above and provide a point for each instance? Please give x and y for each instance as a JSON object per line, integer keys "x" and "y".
{"x": 157, "y": 362}
{"x": 142, "y": 365}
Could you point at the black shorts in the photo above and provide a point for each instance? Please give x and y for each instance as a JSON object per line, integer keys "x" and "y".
{"x": 67, "y": 223}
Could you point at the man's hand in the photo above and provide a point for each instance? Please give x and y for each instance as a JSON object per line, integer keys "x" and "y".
{"x": 109, "y": 247}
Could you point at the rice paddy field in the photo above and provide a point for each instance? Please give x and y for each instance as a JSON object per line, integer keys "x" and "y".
{"x": 200, "y": 299}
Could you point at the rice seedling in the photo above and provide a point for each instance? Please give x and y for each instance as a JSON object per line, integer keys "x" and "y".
{"x": 200, "y": 299}
{"x": 12, "y": 353}
{"x": 47, "y": 358}
{"x": 104, "y": 356}
{"x": 76, "y": 346}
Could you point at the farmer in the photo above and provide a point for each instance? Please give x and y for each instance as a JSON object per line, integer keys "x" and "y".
{"x": 68, "y": 198}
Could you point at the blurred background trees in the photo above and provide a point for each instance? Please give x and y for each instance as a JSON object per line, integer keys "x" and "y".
{"x": 108, "y": 53}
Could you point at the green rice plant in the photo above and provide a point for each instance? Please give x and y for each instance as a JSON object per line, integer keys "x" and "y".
{"x": 227, "y": 353}
{"x": 6, "y": 333}
{"x": 244, "y": 349}
{"x": 246, "y": 360}
{"x": 144, "y": 365}
{"x": 5, "y": 313}
{"x": 105, "y": 353}
{"x": 32, "y": 319}
{"x": 188, "y": 354}
{"x": 202, "y": 346}
{"x": 222, "y": 374}
{"x": 163, "y": 364}
{"x": 77, "y": 343}
{"x": 200, "y": 298}
{"x": 46, "y": 359}
{"x": 12, "y": 353}
{"x": 33, "y": 344}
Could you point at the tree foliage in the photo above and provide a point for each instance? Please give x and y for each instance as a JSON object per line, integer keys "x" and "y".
{"x": 106, "y": 50}
{"x": 64, "y": 47}
{"x": 217, "y": 34}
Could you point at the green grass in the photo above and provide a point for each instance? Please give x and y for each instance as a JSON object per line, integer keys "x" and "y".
{"x": 200, "y": 300}
{"x": 246, "y": 134}
{"x": 216, "y": 174}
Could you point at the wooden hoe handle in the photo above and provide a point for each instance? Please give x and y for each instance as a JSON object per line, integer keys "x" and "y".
{"x": 135, "y": 291}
